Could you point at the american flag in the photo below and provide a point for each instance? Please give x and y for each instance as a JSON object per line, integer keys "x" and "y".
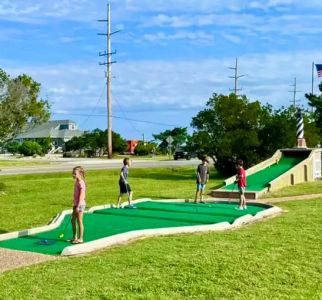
{"x": 319, "y": 69}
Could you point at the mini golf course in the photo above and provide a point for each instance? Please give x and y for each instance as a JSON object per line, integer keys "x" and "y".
{"x": 111, "y": 224}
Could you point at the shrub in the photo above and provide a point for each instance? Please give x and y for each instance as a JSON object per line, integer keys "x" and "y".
{"x": 12, "y": 147}
{"x": 144, "y": 149}
{"x": 29, "y": 148}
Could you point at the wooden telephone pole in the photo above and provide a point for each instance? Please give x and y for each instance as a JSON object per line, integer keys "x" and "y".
{"x": 108, "y": 54}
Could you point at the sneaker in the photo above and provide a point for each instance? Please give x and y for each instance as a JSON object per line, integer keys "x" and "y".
{"x": 245, "y": 207}
{"x": 130, "y": 206}
{"x": 238, "y": 208}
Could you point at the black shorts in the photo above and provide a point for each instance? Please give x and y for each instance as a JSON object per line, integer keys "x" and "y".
{"x": 124, "y": 188}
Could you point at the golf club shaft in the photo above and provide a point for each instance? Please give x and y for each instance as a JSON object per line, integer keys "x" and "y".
{"x": 67, "y": 223}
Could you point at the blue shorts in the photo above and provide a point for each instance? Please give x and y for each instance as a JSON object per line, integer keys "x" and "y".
{"x": 201, "y": 186}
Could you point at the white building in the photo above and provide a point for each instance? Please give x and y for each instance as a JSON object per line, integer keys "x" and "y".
{"x": 60, "y": 131}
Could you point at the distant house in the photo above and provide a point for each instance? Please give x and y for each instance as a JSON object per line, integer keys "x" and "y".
{"x": 60, "y": 131}
{"x": 131, "y": 145}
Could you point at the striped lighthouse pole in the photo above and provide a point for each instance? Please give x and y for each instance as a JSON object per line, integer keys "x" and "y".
{"x": 300, "y": 130}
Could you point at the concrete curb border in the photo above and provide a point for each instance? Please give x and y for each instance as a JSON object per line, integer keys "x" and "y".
{"x": 52, "y": 225}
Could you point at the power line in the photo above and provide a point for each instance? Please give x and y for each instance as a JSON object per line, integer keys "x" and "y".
{"x": 124, "y": 114}
{"x": 117, "y": 117}
{"x": 95, "y": 107}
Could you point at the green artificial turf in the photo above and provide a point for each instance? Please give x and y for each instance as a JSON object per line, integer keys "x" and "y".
{"x": 147, "y": 215}
{"x": 259, "y": 180}
{"x": 279, "y": 258}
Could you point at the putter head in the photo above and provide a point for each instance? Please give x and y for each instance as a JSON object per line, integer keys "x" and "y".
{"x": 45, "y": 242}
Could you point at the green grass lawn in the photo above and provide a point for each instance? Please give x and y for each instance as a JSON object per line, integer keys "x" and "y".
{"x": 314, "y": 187}
{"x": 278, "y": 258}
{"x": 21, "y": 163}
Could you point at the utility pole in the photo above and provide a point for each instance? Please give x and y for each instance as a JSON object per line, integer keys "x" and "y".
{"x": 294, "y": 93}
{"x": 236, "y": 77}
{"x": 108, "y": 63}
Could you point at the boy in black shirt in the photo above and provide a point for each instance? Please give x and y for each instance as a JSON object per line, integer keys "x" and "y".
{"x": 202, "y": 173}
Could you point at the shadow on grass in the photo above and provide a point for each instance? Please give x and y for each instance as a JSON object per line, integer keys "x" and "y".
{"x": 172, "y": 174}
{"x": 3, "y": 231}
{"x": 217, "y": 186}
{"x": 2, "y": 186}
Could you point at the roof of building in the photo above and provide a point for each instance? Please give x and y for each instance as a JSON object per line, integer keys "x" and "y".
{"x": 52, "y": 129}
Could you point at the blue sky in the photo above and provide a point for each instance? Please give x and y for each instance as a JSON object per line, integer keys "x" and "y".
{"x": 171, "y": 55}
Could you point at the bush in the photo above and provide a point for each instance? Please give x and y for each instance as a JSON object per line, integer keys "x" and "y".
{"x": 45, "y": 144}
{"x": 144, "y": 149}
{"x": 29, "y": 148}
{"x": 12, "y": 147}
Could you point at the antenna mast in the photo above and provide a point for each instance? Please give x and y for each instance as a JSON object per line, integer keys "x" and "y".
{"x": 294, "y": 101}
{"x": 236, "y": 77}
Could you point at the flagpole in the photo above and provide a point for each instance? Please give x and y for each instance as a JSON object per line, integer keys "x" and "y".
{"x": 312, "y": 77}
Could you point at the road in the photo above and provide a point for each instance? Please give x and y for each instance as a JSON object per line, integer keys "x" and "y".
{"x": 94, "y": 164}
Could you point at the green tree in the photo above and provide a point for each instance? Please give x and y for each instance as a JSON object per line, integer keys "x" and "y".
{"x": 233, "y": 127}
{"x": 279, "y": 130}
{"x": 94, "y": 143}
{"x": 20, "y": 104}
{"x": 45, "y": 144}
{"x": 179, "y": 135}
{"x": 227, "y": 129}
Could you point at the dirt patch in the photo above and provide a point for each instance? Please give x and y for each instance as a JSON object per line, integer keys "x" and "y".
{"x": 12, "y": 259}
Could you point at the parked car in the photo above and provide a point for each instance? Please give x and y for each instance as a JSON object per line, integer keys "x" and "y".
{"x": 180, "y": 154}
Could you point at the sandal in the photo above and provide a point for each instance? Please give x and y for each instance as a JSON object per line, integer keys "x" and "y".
{"x": 77, "y": 241}
{"x": 71, "y": 240}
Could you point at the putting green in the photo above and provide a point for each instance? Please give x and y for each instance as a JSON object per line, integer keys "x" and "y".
{"x": 147, "y": 215}
{"x": 259, "y": 180}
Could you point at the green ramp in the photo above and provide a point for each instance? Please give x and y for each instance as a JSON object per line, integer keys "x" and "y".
{"x": 148, "y": 215}
{"x": 259, "y": 180}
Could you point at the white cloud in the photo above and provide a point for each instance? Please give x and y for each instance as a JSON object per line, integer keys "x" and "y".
{"x": 69, "y": 39}
{"x": 175, "y": 84}
{"x": 131, "y": 10}
{"x": 199, "y": 36}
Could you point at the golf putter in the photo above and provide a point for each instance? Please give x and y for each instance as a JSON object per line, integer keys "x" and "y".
{"x": 62, "y": 235}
